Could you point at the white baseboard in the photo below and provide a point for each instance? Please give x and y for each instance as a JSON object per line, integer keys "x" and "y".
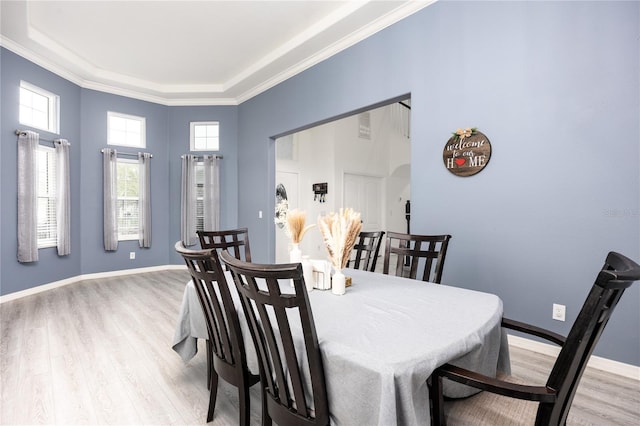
{"x": 599, "y": 363}
{"x": 78, "y": 278}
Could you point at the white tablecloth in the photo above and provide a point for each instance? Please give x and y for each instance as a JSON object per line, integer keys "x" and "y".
{"x": 383, "y": 339}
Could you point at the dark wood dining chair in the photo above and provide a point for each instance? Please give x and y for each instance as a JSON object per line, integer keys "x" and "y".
{"x": 411, "y": 251}
{"x": 223, "y": 327}
{"x": 366, "y": 251}
{"x": 555, "y": 398}
{"x": 235, "y": 241}
{"x": 292, "y": 397}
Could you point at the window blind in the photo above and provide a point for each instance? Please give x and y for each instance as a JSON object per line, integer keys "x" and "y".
{"x": 47, "y": 225}
{"x": 200, "y": 196}
{"x": 127, "y": 202}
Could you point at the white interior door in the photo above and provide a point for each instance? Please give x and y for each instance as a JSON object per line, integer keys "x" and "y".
{"x": 365, "y": 194}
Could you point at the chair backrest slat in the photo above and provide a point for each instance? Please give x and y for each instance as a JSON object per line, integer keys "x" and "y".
{"x": 276, "y": 366}
{"x": 366, "y": 251}
{"x": 289, "y": 350}
{"x": 236, "y": 241}
{"x": 293, "y": 382}
{"x": 412, "y": 249}
{"x": 260, "y": 335}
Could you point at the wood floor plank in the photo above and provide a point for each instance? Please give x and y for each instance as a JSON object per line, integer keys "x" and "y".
{"x": 9, "y": 380}
{"x": 11, "y": 326}
{"x": 99, "y": 352}
{"x": 35, "y": 404}
{"x": 71, "y": 397}
{"x": 111, "y": 404}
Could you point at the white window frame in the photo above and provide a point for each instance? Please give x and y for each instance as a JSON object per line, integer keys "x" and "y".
{"x": 212, "y": 143}
{"x": 127, "y": 236}
{"x": 51, "y": 110}
{"x": 46, "y": 217}
{"x": 129, "y": 137}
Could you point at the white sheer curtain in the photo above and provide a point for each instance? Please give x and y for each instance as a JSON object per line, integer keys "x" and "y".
{"x": 188, "y": 201}
{"x": 211, "y": 193}
{"x": 144, "y": 199}
{"x": 63, "y": 203}
{"x": 27, "y": 197}
{"x": 110, "y": 185}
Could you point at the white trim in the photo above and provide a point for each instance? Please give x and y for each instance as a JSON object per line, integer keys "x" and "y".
{"x": 192, "y": 135}
{"x": 53, "y": 108}
{"x": 231, "y": 92}
{"x": 394, "y": 16}
{"x": 51, "y": 160}
{"x": 50, "y": 286}
{"x": 599, "y": 363}
{"x": 142, "y": 121}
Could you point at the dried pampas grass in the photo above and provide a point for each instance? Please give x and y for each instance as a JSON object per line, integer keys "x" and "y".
{"x": 340, "y": 231}
{"x": 295, "y": 225}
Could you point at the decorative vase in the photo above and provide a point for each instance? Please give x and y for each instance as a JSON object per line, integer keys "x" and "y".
{"x": 307, "y": 271}
{"x": 295, "y": 255}
{"x": 338, "y": 283}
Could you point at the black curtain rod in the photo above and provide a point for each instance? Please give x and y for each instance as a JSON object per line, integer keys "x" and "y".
{"x": 135, "y": 154}
{"x": 404, "y": 105}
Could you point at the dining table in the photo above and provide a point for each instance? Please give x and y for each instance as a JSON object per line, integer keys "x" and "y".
{"x": 381, "y": 341}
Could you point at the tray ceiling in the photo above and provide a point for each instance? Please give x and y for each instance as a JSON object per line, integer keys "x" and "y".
{"x": 189, "y": 52}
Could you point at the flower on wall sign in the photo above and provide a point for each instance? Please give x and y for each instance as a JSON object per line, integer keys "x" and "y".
{"x": 467, "y": 152}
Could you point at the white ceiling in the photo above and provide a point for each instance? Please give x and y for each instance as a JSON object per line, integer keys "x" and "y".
{"x": 189, "y": 52}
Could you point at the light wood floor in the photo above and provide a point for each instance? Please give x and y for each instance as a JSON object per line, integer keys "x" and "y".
{"x": 99, "y": 352}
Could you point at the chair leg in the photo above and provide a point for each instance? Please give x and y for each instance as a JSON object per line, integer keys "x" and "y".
{"x": 213, "y": 392}
{"x": 266, "y": 420}
{"x": 436, "y": 399}
{"x": 209, "y": 363}
{"x": 245, "y": 405}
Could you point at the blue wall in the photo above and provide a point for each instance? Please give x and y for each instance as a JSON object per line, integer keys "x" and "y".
{"x": 84, "y": 123}
{"x": 93, "y": 138}
{"x": 50, "y": 267}
{"x": 555, "y": 87}
{"x": 179, "y": 144}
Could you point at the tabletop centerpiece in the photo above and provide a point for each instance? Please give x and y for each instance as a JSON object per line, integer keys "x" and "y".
{"x": 339, "y": 232}
{"x": 295, "y": 229}
{"x": 293, "y": 223}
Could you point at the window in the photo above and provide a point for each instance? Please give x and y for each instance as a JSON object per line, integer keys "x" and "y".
{"x": 127, "y": 203}
{"x": 199, "y": 196}
{"x": 205, "y": 136}
{"x": 39, "y": 108}
{"x": 126, "y": 130}
{"x": 46, "y": 204}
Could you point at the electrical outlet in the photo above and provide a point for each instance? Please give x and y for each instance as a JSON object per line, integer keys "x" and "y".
{"x": 132, "y": 255}
{"x": 558, "y": 312}
{"x": 259, "y": 214}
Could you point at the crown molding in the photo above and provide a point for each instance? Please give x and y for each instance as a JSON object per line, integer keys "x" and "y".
{"x": 227, "y": 93}
{"x": 31, "y": 56}
{"x": 374, "y": 27}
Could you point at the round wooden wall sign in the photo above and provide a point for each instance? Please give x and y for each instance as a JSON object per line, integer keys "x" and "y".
{"x": 467, "y": 152}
